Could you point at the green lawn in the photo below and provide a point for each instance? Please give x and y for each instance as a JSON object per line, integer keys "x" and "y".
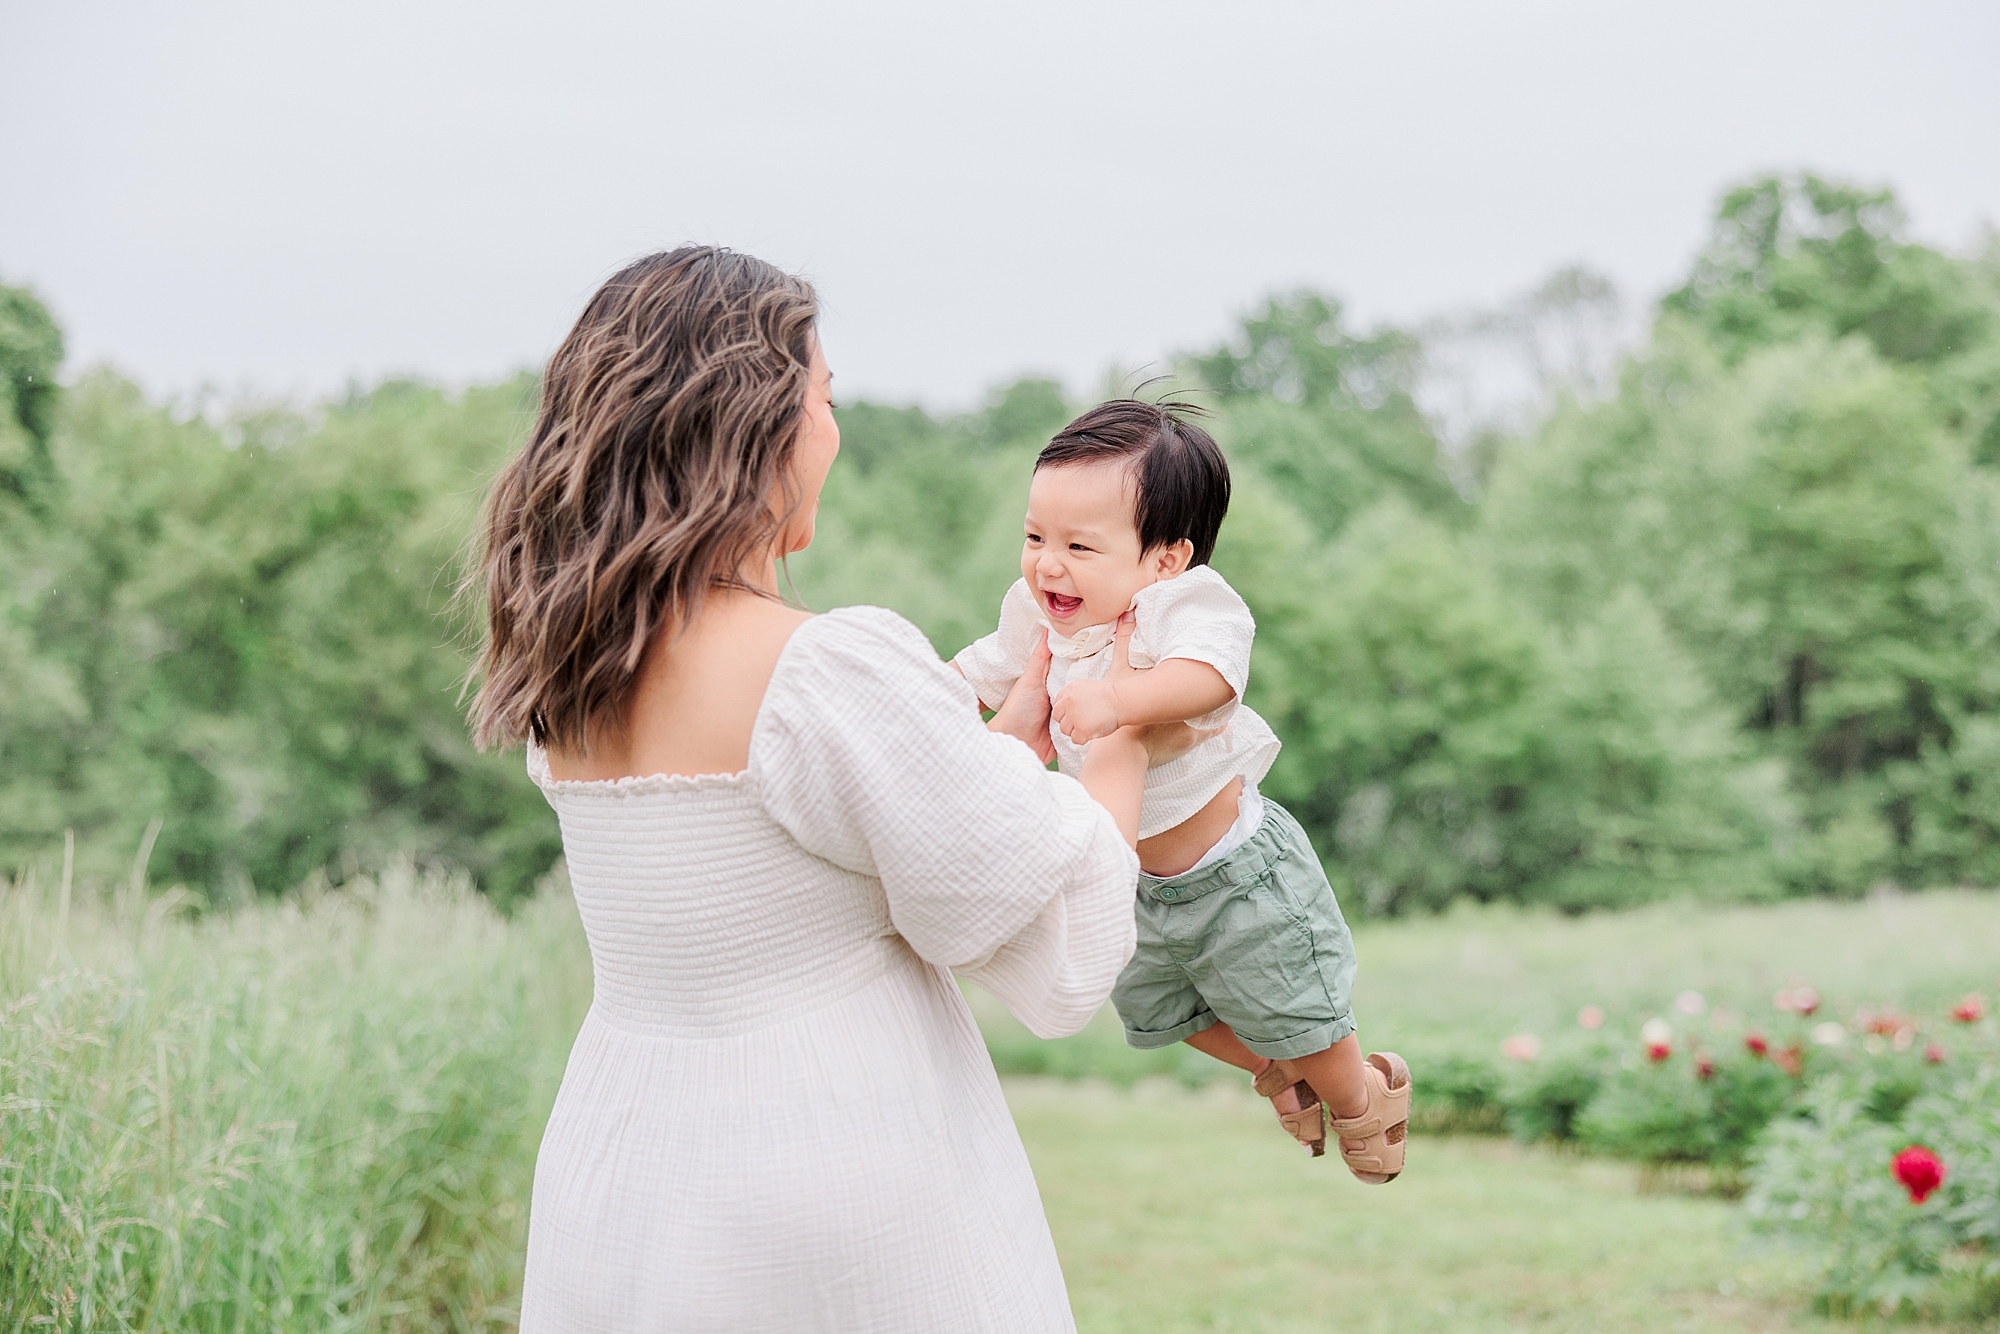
{"x": 1178, "y": 1210}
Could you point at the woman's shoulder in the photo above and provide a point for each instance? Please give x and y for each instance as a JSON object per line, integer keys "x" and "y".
{"x": 857, "y": 652}
{"x": 863, "y": 631}
{"x": 853, "y": 681}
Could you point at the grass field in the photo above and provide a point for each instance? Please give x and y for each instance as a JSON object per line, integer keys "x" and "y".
{"x": 1182, "y": 1211}
{"x": 321, "y": 1114}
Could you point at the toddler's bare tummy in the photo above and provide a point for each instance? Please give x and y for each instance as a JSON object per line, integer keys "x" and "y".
{"x": 1181, "y": 847}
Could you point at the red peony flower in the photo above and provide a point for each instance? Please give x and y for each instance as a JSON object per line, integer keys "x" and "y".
{"x": 1933, "y": 1053}
{"x": 1970, "y": 1010}
{"x": 1659, "y": 1051}
{"x": 1704, "y": 1068}
{"x": 1919, "y": 1171}
{"x": 1755, "y": 1044}
{"x": 1792, "y": 1060}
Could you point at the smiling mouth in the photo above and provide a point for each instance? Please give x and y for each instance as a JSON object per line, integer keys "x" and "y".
{"x": 1061, "y": 605}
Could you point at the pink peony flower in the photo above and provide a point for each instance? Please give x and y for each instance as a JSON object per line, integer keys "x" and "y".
{"x": 1755, "y": 1044}
{"x": 1805, "y": 1001}
{"x": 1521, "y": 1047}
{"x": 1659, "y": 1051}
{"x": 1933, "y": 1053}
{"x": 1919, "y": 1171}
{"x": 1590, "y": 1016}
{"x": 1792, "y": 1060}
{"x": 1970, "y": 1010}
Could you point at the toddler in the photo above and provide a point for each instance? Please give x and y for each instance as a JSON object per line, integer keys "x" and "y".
{"x": 1242, "y": 951}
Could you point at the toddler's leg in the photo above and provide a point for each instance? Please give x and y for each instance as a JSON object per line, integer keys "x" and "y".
{"x": 1335, "y": 1074}
{"x": 1221, "y": 1042}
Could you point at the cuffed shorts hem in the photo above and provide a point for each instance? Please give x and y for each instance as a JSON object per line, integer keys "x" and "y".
{"x": 1315, "y": 1039}
{"x": 1152, "y": 1040}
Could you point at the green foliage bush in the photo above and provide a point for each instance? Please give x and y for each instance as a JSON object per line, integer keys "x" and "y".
{"x": 1657, "y": 1113}
{"x": 1824, "y": 1179}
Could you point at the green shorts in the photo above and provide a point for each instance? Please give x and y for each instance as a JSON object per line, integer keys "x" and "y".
{"x": 1255, "y": 941}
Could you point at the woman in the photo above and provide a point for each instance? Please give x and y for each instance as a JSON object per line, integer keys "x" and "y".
{"x": 786, "y": 833}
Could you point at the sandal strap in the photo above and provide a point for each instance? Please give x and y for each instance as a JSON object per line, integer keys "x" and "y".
{"x": 1363, "y": 1160}
{"x": 1272, "y": 1080}
{"x": 1307, "y": 1125}
{"x": 1370, "y": 1122}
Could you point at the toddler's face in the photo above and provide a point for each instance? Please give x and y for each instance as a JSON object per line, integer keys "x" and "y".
{"x": 1081, "y": 553}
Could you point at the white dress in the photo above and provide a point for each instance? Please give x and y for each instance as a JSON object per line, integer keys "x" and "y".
{"x": 779, "y": 1114}
{"x": 1194, "y": 615}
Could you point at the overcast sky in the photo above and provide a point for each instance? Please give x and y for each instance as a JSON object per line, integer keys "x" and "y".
{"x": 282, "y": 196}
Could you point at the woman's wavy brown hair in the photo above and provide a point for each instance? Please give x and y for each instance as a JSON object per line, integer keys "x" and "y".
{"x": 667, "y": 425}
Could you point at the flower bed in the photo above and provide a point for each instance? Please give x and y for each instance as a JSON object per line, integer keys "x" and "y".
{"x": 1695, "y": 1085}
{"x": 1873, "y": 1139}
{"x": 1891, "y": 1172}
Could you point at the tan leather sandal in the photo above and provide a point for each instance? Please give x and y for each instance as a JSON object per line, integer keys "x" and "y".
{"x": 1378, "y": 1158}
{"x": 1308, "y": 1124}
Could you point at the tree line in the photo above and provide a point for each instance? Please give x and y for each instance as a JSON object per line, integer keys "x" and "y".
{"x": 1724, "y": 626}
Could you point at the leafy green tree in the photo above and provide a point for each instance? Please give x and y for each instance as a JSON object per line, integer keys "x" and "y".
{"x": 31, "y": 350}
{"x": 1797, "y": 255}
{"x": 1327, "y": 414}
{"x": 1791, "y": 517}
{"x": 1442, "y": 741}
{"x": 244, "y": 629}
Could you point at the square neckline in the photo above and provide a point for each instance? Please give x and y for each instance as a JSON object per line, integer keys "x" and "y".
{"x": 637, "y": 784}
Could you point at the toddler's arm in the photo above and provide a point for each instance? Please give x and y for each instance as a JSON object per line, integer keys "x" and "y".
{"x": 1176, "y": 690}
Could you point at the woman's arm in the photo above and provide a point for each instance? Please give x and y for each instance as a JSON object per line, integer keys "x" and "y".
{"x": 989, "y": 864}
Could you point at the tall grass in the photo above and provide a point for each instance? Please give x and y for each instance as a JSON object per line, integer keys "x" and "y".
{"x": 317, "y": 1115}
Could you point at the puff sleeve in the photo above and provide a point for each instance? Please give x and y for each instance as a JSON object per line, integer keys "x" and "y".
{"x": 867, "y": 754}
{"x": 1199, "y": 616}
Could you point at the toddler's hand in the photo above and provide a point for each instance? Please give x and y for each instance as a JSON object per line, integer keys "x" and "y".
{"x": 1086, "y": 710}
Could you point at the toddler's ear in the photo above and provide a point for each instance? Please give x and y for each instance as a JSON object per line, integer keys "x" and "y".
{"x": 1169, "y": 561}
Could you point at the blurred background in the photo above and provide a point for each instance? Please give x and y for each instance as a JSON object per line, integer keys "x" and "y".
{"x": 1613, "y": 395}
{"x": 287, "y": 275}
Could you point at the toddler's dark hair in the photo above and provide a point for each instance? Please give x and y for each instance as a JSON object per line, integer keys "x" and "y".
{"x": 1183, "y": 478}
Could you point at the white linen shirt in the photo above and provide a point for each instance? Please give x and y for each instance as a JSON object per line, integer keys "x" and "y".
{"x": 1194, "y": 615}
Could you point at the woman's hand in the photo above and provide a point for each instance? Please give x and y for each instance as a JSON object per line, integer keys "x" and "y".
{"x": 1024, "y": 714}
{"x": 1163, "y": 742}
{"x": 1114, "y": 767}
{"x": 1166, "y": 742}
